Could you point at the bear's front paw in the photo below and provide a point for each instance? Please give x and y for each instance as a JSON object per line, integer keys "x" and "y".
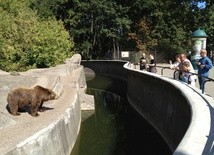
{"x": 16, "y": 114}
{"x": 35, "y": 115}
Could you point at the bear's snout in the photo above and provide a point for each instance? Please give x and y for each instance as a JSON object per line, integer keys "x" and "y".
{"x": 53, "y": 96}
{"x": 56, "y": 97}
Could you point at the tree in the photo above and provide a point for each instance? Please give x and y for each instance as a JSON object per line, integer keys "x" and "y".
{"x": 206, "y": 22}
{"x": 145, "y": 36}
{"x": 29, "y": 42}
{"x": 96, "y": 25}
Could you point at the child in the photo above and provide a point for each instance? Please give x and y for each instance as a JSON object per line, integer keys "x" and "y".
{"x": 187, "y": 75}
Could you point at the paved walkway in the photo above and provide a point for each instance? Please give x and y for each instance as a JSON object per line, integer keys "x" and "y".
{"x": 209, "y": 86}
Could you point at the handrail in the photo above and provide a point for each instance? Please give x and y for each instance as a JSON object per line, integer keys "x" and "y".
{"x": 162, "y": 68}
{"x": 203, "y": 84}
{"x": 175, "y": 73}
{"x": 199, "y": 75}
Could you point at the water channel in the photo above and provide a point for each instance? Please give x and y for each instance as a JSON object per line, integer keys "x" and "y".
{"x": 114, "y": 128}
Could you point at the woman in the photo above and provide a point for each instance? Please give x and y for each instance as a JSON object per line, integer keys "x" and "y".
{"x": 175, "y": 65}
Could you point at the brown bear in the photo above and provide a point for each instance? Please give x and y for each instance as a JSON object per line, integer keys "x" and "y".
{"x": 31, "y": 98}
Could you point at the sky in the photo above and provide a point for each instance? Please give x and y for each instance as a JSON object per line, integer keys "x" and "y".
{"x": 202, "y": 4}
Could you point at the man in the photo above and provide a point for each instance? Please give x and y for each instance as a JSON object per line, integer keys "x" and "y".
{"x": 152, "y": 65}
{"x": 187, "y": 75}
{"x": 143, "y": 62}
{"x": 183, "y": 58}
{"x": 204, "y": 65}
{"x": 190, "y": 80}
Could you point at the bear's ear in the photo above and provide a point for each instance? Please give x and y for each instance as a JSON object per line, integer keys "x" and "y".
{"x": 40, "y": 88}
{"x": 37, "y": 87}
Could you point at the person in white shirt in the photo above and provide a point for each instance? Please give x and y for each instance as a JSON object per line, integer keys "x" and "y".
{"x": 187, "y": 70}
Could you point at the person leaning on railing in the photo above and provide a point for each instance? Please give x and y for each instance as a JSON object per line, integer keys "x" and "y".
{"x": 186, "y": 67}
{"x": 204, "y": 65}
{"x": 188, "y": 74}
{"x": 175, "y": 65}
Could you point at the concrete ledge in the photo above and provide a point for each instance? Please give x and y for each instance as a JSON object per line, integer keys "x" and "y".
{"x": 180, "y": 113}
{"x": 57, "y": 138}
{"x": 167, "y": 110}
{"x": 54, "y": 131}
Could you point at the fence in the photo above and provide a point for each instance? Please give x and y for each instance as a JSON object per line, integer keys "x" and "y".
{"x": 198, "y": 75}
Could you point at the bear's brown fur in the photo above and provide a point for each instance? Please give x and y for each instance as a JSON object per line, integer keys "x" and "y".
{"x": 31, "y": 98}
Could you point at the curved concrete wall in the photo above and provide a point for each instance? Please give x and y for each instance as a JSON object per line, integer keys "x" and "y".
{"x": 179, "y": 112}
{"x": 107, "y": 68}
{"x": 114, "y": 69}
{"x": 162, "y": 104}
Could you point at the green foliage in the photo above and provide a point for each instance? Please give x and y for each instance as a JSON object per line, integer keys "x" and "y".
{"x": 168, "y": 50}
{"x": 29, "y": 42}
{"x": 94, "y": 25}
{"x": 31, "y": 37}
{"x": 171, "y": 23}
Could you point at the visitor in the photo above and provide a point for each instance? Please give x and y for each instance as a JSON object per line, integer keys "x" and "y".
{"x": 182, "y": 67}
{"x": 204, "y": 65}
{"x": 143, "y": 62}
{"x": 152, "y": 65}
{"x": 175, "y": 65}
{"x": 188, "y": 75}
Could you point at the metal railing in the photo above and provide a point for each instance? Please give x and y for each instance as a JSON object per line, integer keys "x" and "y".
{"x": 191, "y": 74}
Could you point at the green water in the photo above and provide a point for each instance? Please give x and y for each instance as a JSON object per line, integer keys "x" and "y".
{"x": 114, "y": 128}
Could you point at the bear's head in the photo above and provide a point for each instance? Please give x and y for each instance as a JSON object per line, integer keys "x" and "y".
{"x": 46, "y": 94}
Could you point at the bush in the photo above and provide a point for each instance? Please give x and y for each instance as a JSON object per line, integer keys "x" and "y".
{"x": 28, "y": 41}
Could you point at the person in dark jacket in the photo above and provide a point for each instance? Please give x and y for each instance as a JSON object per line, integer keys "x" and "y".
{"x": 143, "y": 62}
{"x": 204, "y": 65}
{"x": 152, "y": 65}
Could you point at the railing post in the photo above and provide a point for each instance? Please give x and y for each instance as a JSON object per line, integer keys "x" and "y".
{"x": 174, "y": 74}
{"x": 191, "y": 74}
{"x": 203, "y": 85}
{"x": 163, "y": 69}
{"x": 189, "y": 82}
